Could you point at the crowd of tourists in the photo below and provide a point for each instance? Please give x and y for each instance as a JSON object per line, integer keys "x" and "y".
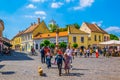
{"x": 66, "y": 56}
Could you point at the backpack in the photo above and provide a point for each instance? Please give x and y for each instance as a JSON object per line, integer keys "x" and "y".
{"x": 59, "y": 59}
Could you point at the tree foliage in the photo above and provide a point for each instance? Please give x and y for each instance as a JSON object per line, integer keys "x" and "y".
{"x": 62, "y": 45}
{"x": 76, "y": 25}
{"x": 52, "y": 45}
{"x": 75, "y": 45}
{"x": 42, "y": 44}
{"x": 46, "y": 42}
{"x": 113, "y": 37}
{"x": 62, "y": 29}
{"x": 53, "y": 27}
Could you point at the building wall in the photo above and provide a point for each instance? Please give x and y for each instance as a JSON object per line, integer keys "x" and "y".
{"x": 27, "y": 42}
{"x": 78, "y": 40}
{"x": 15, "y": 42}
{"x": 106, "y": 37}
{"x": 92, "y": 41}
{"x": 52, "y": 40}
{"x": 85, "y": 28}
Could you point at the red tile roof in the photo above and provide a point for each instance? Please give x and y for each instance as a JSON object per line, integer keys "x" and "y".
{"x": 49, "y": 35}
{"x": 95, "y": 28}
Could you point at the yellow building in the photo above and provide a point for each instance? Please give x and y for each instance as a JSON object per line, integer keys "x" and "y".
{"x": 16, "y": 42}
{"x": 72, "y": 35}
{"x": 77, "y": 36}
{"x": 30, "y": 32}
{"x": 96, "y": 34}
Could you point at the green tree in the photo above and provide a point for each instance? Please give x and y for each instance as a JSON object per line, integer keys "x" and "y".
{"x": 75, "y": 45}
{"x": 62, "y": 45}
{"x": 42, "y": 44}
{"x": 52, "y": 27}
{"x": 52, "y": 45}
{"x": 76, "y": 25}
{"x": 113, "y": 37}
{"x": 46, "y": 42}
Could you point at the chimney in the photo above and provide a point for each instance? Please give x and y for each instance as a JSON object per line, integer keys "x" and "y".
{"x": 31, "y": 24}
{"x": 34, "y": 23}
{"x": 38, "y": 20}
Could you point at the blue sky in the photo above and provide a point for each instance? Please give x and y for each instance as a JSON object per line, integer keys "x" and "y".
{"x": 19, "y": 14}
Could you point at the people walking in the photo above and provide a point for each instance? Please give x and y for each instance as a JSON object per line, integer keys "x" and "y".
{"x": 97, "y": 54}
{"x": 70, "y": 52}
{"x": 67, "y": 63}
{"x": 88, "y": 52}
{"x": 75, "y": 51}
{"x": 81, "y": 52}
{"x": 42, "y": 52}
{"x": 33, "y": 51}
{"x": 48, "y": 59}
{"x": 58, "y": 59}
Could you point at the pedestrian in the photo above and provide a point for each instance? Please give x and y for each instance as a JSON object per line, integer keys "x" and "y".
{"x": 48, "y": 59}
{"x": 75, "y": 51}
{"x": 70, "y": 52}
{"x": 67, "y": 63}
{"x": 42, "y": 52}
{"x": 33, "y": 51}
{"x": 88, "y": 52}
{"x": 58, "y": 59}
{"x": 85, "y": 52}
{"x": 91, "y": 51}
{"x": 97, "y": 54}
{"x": 81, "y": 52}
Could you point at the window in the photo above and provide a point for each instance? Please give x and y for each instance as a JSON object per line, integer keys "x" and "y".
{"x": 74, "y": 39}
{"x": 95, "y": 38}
{"x": 99, "y": 38}
{"x": 82, "y": 39}
{"x": 104, "y": 38}
{"x": 36, "y": 46}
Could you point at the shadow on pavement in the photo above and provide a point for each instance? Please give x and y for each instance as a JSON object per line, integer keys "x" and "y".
{"x": 7, "y": 73}
{"x": 79, "y": 69}
{"x": 73, "y": 74}
{"x": 1, "y": 66}
{"x": 16, "y": 56}
{"x": 44, "y": 75}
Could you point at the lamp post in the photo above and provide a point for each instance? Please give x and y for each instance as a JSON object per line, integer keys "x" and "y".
{"x": 57, "y": 36}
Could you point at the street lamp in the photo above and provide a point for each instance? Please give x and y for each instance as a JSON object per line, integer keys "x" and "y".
{"x": 57, "y": 36}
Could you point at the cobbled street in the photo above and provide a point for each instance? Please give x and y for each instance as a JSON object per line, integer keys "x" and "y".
{"x": 20, "y": 66}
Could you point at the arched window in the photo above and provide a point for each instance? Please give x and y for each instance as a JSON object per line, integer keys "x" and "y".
{"x": 36, "y": 46}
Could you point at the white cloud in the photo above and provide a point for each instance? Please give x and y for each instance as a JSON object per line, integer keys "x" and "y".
{"x": 40, "y": 12}
{"x": 38, "y": 0}
{"x": 35, "y": 16}
{"x": 113, "y": 29}
{"x": 56, "y": 4}
{"x": 84, "y": 4}
{"x": 30, "y": 6}
{"x": 99, "y": 23}
{"x": 68, "y": 1}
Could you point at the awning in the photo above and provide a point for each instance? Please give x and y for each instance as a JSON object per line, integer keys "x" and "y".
{"x": 7, "y": 44}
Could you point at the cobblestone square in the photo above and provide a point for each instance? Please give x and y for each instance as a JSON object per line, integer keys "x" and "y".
{"x": 20, "y": 66}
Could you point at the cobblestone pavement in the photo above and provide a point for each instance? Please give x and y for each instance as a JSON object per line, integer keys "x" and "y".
{"x": 20, "y": 66}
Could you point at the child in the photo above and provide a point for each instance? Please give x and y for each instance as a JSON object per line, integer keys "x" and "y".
{"x": 67, "y": 63}
{"x": 48, "y": 59}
